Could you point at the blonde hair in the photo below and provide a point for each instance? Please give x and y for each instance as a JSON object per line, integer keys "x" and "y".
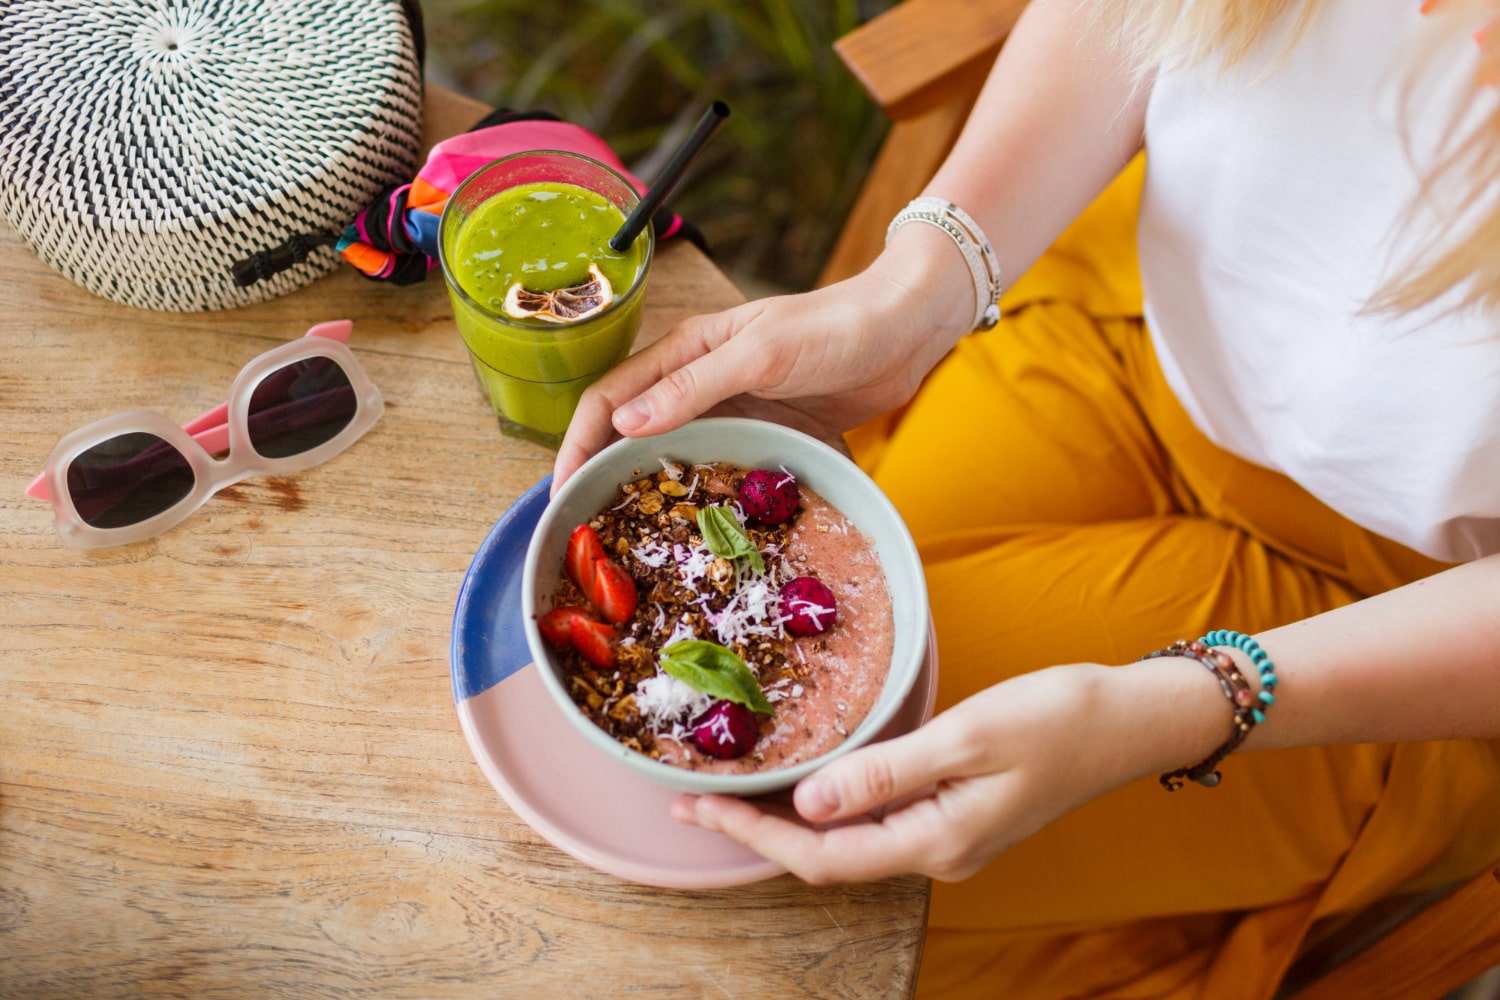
{"x": 1153, "y": 32}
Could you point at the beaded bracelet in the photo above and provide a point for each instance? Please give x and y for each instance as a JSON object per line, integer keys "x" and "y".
{"x": 1236, "y": 689}
{"x": 971, "y": 242}
{"x": 989, "y": 295}
{"x": 1258, "y": 657}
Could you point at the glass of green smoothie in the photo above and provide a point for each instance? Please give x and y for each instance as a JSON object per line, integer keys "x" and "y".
{"x": 542, "y": 302}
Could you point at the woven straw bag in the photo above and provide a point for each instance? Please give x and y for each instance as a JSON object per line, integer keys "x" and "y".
{"x": 148, "y": 145}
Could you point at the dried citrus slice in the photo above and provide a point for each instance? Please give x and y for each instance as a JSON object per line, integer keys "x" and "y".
{"x": 566, "y": 305}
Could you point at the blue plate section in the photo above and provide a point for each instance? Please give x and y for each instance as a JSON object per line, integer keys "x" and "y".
{"x": 488, "y": 642}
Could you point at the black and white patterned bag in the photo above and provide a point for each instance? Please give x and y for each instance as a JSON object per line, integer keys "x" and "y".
{"x": 148, "y": 145}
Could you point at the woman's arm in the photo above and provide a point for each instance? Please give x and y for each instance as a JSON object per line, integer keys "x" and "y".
{"x": 1056, "y": 121}
{"x": 1060, "y": 115}
{"x": 1421, "y": 662}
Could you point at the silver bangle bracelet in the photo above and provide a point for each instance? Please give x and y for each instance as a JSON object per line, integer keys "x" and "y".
{"x": 971, "y": 242}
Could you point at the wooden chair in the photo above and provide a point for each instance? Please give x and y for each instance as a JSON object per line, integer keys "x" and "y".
{"x": 922, "y": 62}
{"x": 1406, "y": 949}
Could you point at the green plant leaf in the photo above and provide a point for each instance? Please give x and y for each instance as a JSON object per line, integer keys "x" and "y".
{"x": 725, "y": 537}
{"x": 716, "y": 671}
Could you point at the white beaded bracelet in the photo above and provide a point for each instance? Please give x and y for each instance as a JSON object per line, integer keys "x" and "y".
{"x": 971, "y": 242}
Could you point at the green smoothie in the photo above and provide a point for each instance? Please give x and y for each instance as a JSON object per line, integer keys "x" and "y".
{"x": 543, "y": 235}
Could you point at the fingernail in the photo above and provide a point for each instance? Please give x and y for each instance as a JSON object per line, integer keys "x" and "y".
{"x": 823, "y": 795}
{"x": 633, "y": 415}
{"x": 705, "y": 817}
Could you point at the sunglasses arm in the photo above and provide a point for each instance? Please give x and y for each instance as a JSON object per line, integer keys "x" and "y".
{"x": 211, "y": 429}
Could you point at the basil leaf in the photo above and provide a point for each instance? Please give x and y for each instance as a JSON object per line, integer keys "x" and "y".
{"x": 725, "y": 537}
{"x": 716, "y": 671}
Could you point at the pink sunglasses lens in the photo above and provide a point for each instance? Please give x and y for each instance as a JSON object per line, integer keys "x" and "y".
{"x": 296, "y": 408}
{"x": 127, "y": 479}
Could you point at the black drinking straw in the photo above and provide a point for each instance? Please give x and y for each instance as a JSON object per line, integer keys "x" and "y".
{"x": 670, "y": 175}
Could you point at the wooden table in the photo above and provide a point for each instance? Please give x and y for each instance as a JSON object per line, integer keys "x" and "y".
{"x": 230, "y": 761}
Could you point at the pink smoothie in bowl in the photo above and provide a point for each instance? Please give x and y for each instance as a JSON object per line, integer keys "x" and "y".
{"x": 807, "y": 626}
{"x": 725, "y": 607}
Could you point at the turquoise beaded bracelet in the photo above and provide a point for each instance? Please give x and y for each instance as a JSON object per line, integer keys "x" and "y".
{"x": 1258, "y": 657}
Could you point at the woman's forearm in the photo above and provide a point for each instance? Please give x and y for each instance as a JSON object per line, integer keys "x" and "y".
{"x": 1421, "y": 662}
{"x": 1058, "y": 118}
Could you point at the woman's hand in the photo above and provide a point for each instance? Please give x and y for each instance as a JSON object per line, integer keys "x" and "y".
{"x": 823, "y": 361}
{"x": 980, "y": 777}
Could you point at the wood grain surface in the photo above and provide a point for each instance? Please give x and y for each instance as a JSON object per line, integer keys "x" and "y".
{"x": 230, "y": 763}
{"x": 922, "y": 54}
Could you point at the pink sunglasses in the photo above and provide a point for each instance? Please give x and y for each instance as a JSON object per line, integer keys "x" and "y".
{"x": 134, "y": 475}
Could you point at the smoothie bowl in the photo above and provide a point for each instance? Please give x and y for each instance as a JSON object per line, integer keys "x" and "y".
{"x": 725, "y": 608}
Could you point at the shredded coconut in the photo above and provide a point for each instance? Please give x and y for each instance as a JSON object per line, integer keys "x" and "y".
{"x": 718, "y": 727}
{"x": 681, "y": 632}
{"x": 652, "y": 553}
{"x": 812, "y": 610}
{"x": 753, "y": 609}
{"x": 692, "y": 564}
{"x": 663, "y": 700}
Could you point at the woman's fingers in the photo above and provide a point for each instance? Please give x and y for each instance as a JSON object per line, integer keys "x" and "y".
{"x": 680, "y": 377}
{"x": 922, "y": 835}
{"x": 709, "y": 360}
{"x": 811, "y": 345}
{"x": 876, "y": 776}
{"x": 855, "y": 853}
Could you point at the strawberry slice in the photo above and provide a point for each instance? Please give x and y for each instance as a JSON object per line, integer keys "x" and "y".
{"x": 595, "y": 641}
{"x": 584, "y": 549}
{"x": 613, "y": 592}
{"x": 556, "y": 626}
{"x": 603, "y": 581}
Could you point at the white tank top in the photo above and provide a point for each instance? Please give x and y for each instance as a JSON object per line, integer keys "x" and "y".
{"x": 1274, "y": 192}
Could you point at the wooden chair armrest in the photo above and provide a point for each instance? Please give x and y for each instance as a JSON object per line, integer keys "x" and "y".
{"x": 924, "y": 53}
{"x": 1439, "y": 949}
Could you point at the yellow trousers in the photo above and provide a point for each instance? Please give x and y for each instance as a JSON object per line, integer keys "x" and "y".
{"x": 1068, "y": 510}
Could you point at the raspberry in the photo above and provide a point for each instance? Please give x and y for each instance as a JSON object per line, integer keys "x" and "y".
{"x": 726, "y": 730}
{"x": 769, "y": 497}
{"x": 807, "y": 606}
